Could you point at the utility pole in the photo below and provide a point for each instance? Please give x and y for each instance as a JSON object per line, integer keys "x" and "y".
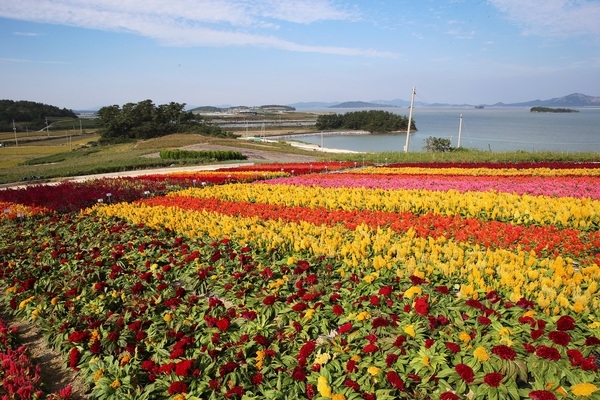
{"x": 412, "y": 103}
{"x": 459, "y": 130}
{"x": 47, "y": 128}
{"x": 15, "y": 131}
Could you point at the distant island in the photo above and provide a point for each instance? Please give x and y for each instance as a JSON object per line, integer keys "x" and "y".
{"x": 552, "y": 110}
{"x": 360, "y": 104}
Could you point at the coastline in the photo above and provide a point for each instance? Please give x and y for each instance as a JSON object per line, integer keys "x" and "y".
{"x": 307, "y": 146}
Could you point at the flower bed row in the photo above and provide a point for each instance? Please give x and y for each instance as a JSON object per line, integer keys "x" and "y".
{"x": 19, "y": 376}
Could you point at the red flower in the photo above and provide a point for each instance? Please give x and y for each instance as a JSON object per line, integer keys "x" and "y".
{"x": 351, "y": 366}
{"x": 542, "y": 395}
{"x": 453, "y": 347}
{"x": 345, "y": 328}
{"x": 79, "y": 336}
{"x": 592, "y": 341}
{"x": 493, "y": 378}
{"x": 560, "y": 338}
{"x": 422, "y": 305}
{"x": 374, "y": 300}
{"x": 184, "y": 368}
{"x": 379, "y": 321}
{"x": 465, "y": 372}
{"x": 394, "y": 379}
{"x": 589, "y": 364}
{"x": 390, "y": 359}
{"x": 575, "y": 357}
{"x": 549, "y": 353}
{"x": 484, "y": 320}
{"x": 536, "y": 334}
{"x": 257, "y": 379}
{"x": 298, "y": 374}
{"x": 74, "y": 357}
{"x": 565, "y": 323}
{"x": 338, "y": 310}
{"x": 299, "y": 307}
{"x": 449, "y": 396}
{"x": 223, "y": 324}
{"x": 352, "y": 384}
{"x": 429, "y": 343}
{"x": 269, "y": 300}
{"x": 386, "y": 291}
{"x": 236, "y": 391}
{"x": 442, "y": 289}
{"x": 370, "y": 348}
{"x": 228, "y": 367}
{"x": 529, "y": 348}
{"x": 178, "y": 387}
{"x": 504, "y": 352}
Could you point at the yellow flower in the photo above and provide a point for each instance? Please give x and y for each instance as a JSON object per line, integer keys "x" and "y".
{"x": 116, "y": 383}
{"x": 322, "y": 359}
{"x": 412, "y": 291}
{"x": 425, "y": 361}
{"x": 323, "y": 387}
{"x": 481, "y": 354}
{"x": 11, "y": 289}
{"x": 125, "y": 359}
{"x": 179, "y": 396}
{"x": 356, "y": 358}
{"x": 373, "y": 370}
{"x": 309, "y": 314}
{"x": 54, "y": 301}
{"x": 363, "y": 315}
{"x": 260, "y": 356}
{"x": 583, "y": 389}
{"x": 410, "y": 330}
{"x": 168, "y": 317}
{"x": 465, "y": 337}
{"x": 94, "y": 336}
{"x": 98, "y": 374}
{"x": 338, "y": 397}
{"x": 25, "y": 302}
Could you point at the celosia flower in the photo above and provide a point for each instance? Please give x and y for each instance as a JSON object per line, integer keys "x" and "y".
{"x": 422, "y": 305}
{"x": 394, "y": 379}
{"x": 410, "y": 330}
{"x": 560, "y": 338}
{"x": 481, "y": 354}
{"x": 465, "y": 372}
{"x": 299, "y": 374}
{"x": 549, "y": 353}
{"x": 178, "y": 387}
{"x": 493, "y": 379}
{"x": 352, "y": 384}
{"x": 504, "y": 352}
{"x": 323, "y": 386}
{"x": 453, "y": 347}
{"x": 373, "y": 370}
{"x": 337, "y": 310}
{"x": 257, "y": 379}
{"x": 449, "y": 396}
{"x": 583, "y": 389}
{"x": 565, "y": 323}
{"x": 541, "y": 395}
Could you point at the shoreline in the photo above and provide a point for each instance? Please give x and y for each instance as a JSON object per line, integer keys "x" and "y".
{"x": 306, "y": 146}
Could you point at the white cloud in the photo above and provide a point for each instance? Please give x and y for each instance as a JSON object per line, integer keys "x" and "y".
{"x": 30, "y": 34}
{"x": 553, "y": 17}
{"x": 194, "y": 22}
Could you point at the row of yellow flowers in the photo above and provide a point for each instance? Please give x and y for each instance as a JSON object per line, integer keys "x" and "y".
{"x": 555, "y": 284}
{"x": 564, "y": 212}
{"x": 480, "y": 171}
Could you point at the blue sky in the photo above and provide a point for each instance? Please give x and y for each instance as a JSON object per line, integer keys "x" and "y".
{"x": 83, "y": 54}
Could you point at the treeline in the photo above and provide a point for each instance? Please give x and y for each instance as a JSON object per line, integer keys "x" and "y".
{"x": 145, "y": 120}
{"x": 372, "y": 121}
{"x": 554, "y": 110}
{"x": 211, "y": 155}
{"x": 29, "y": 114}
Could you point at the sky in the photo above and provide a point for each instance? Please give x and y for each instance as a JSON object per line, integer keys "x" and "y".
{"x": 86, "y": 54}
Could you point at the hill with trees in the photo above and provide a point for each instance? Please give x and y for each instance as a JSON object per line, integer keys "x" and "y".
{"x": 374, "y": 121}
{"x": 29, "y": 114}
{"x": 145, "y": 120}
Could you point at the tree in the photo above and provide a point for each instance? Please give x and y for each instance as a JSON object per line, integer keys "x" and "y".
{"x": 371, "y": 120}
{"x": 438, "y": 145}
{"x": 144, "y": 120}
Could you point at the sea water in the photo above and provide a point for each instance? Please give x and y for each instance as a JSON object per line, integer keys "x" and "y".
{"x": 492, "y": 128}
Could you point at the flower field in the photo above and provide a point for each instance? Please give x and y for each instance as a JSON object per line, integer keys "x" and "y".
{"x": 319, "y": 281}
